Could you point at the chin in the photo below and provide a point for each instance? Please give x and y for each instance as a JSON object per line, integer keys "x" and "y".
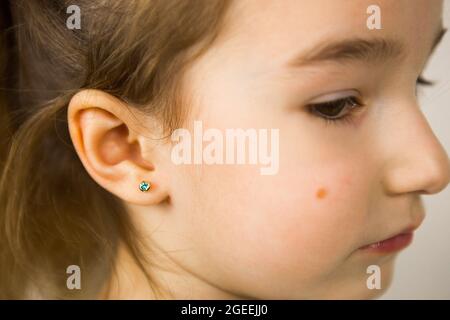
{"x": 364, "y": 293}
{"x": 356, "y": 288}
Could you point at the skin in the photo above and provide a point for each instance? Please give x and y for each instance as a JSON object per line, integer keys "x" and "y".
{"x": 230, "y": 232}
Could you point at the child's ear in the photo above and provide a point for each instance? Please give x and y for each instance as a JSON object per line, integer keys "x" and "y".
{"x": 109, "y": 142}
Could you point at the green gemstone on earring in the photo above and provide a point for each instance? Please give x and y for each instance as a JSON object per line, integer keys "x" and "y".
{"x": 144, "y": 186}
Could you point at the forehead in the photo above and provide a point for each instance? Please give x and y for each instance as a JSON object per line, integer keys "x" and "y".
{"x": 274, "y": 30}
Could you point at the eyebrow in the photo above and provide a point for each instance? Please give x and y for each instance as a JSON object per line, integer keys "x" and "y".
{"x": 357, "y": 49}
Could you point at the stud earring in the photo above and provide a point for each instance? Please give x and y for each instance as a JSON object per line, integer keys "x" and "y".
{"x": 144, "y": 186}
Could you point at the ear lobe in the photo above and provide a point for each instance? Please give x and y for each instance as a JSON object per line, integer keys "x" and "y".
{"x": 100, "y": 131}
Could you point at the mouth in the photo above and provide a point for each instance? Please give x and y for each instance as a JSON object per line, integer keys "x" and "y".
{"x": 393, "y": 244}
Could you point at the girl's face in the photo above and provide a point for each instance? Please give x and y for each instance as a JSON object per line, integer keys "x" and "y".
{"x": 342, "y": 183}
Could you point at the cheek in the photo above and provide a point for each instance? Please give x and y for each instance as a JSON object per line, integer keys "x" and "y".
{"x": 304, "y": 223}
{"x": 314, "y": 224}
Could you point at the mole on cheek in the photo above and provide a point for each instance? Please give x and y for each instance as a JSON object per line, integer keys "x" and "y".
{"x": 321, "y": 193}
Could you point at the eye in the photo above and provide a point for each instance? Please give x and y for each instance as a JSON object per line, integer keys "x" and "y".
{"x": 424, "y": 82}
{"x": 335, "y": 110}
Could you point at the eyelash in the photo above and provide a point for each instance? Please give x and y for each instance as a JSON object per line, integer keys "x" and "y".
{"x": 352, "y": 101}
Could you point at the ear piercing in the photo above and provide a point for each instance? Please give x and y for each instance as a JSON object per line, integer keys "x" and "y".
{"x": 144, "y": 186}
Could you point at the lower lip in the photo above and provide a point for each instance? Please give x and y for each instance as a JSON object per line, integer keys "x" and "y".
{"x": 390, "y": 245}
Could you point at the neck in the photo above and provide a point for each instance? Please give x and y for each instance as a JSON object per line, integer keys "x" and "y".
{"x": 129, "y": 281}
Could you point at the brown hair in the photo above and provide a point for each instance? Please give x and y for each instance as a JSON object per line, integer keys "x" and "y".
{"x": 52, "y": 213}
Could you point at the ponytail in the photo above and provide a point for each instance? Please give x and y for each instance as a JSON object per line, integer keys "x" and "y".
{"x": 44, "y": 193}
{"x": 5, "y": 134}
{"x": 52, "y": 214}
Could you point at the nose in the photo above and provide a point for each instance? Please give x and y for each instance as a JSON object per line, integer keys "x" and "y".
{"x": 416, "y": 161}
